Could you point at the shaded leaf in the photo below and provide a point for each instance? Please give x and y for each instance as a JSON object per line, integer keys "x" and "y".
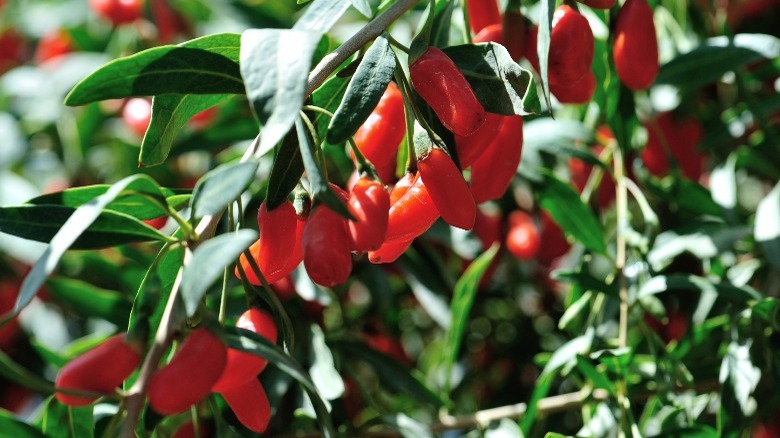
{"x": 767, "y": 226}
{"x": 286, "y": 171}
{"x": 739, "y": 376}
{"x": 663, "y": 283}
{"x": 91, "y": 301}
{"x": 220, "y": 186}
{"x": 17, "y": 373}
{"x": 328, "y": 97}
{"x": 60, "y": 421}
{"x": 147, "y": 205}
{"x": 16, "y": 428}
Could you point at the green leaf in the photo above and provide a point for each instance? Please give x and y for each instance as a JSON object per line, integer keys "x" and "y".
{"x": 208, "y": 263}
{"x": 60, "y": 421}
{"x": 703, "y": 240}
{"x": 220, "y": 186}
{"x": 328, "y": 97}
{"x": 320, "y": 189}
{"x": 570, "y": 213}
{"x": 442, "y": 23}
{"x": 16, "y": 428}
{"x": 286, "y": 171}
{"x": 663, "y": 283}
{"x": 715, "y": 57}
{"x": 587, "y": 282}
{"x": 17, "y": 373}
{"x": 160, "y": 70}
{"x": 767, "y": 226}
{"x": 44, "y": 222}
{"x": 462, "y": 301}
{"x": 321, "y": 15}
{"x": 391, "y": 372}
{"x": 363, "y": 7}
{"x": 543, "y": 46}
{"x": 597, "y": 378}
{"x": 91, "y": 301}
{"x": 253, "y": 343}
{"x": 275, "y": 67}
{"x": 739, "y": 376}
{"x": 364, "y": 91}
{"x": 695, "y": 431}
{"x": 152, "y": 296}
{"x": 170, "y": 112}
{"x": 83, "y": 218}
{"x": 499, "y": 83}
{"x": 147, "y": 204}
{"x": 323, "y": 371}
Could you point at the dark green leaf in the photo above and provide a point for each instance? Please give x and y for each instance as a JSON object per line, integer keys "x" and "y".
{"x": 323, "y": 371}
{"x": 60, "y": 421}
{"x": 364, "y": 91}
{"x": 286, "y": 171}
{"x": 91, "y": 301}
{"x": 208, "y": 263}
{"x": 153, "y": 293}
{"x": 253, "y": 343}
{"x": 739, "y": 376}
{"x": 144, "y": 205}
{"x": 17, "y": 373}
{"x": 597, "y": 379}
{"x": 570, "y": 213}
{"x": 663, "y": 283}
{"x": 390, "y": 371}
{"x": 320, "y": 189}
{"x": 321, "y": 15}
{"x": 160, "y": 70}
{"x": 407, "y": 426}
{"x": 442, "y": 23}
{"x": 275, "y": 67}
{"x": 12, "y": 427}
{"x": 716, "y": 57}
{"x": 220, "y": 186}
{"x": 499, "y": 83}
{"x": 767, "y": 226}
{"x": 170, "y": 112}
{"x": 587, "y": 282}
{"x": 695, "y": 431}
{"x": 328, "y": 97}
{"x": 462, "y": 301}
{"x": 43, "y": 222}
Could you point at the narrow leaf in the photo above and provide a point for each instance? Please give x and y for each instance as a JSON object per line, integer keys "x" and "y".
{"x": 286, "y": 171}
{"x": 543, "y": 45}
{"x": 323, "y": 370}
{"x": 16, "y": 428}
{"x": 148, "y": 204}
{"x": 221, "y": 186}
{"x": 664, "y": 283}
{"x": 321, "y": 15}
{"x": 60, "y": 421}
{"x": 91, "y": 301}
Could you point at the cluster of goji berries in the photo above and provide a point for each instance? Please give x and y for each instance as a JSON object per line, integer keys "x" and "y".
{"x": 202, "y": 364}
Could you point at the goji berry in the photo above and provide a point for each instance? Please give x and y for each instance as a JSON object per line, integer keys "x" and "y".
{"x": 571, "y": 47}
{"x": 389, "y": 251}
{"x": 12, "y": 49}
{"x": 118, "y": 11}
{"x": 555, "y": 243}
{"x": 471, "y": 147}
{"x": 326, "y": 247}
{"x": 275, "y": 248}
{"x": 522, "y": 238}
{"x": 379, "y": 136}
{"x": 99, "y": 370}
{"x": 678, "y": 137}
{"x": 250, "y": 404}
{"x": 241, "y": 366}
{"x": 188, "y": 377}
{"x": 488, "y": 227}
{"x": 438, "y": 81}
{"x": 515, "y": 33}
{"x": 482, "y": 13}
{"x": 369, "y": 203}
{"x": 401, "y": 187}
{"x": 635, "y": 48}
{"x": 494, "y": 170}
{"x": 493, "y": 33}
{"x": 412, "y": 214}
{"x": 448, "y": 189}
{"x": 52, "y": 45}
{"x": 579, "y": 92}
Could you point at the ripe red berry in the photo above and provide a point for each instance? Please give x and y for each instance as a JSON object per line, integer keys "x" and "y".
{"x": 274, "y": 249}
{"x": 571, "y": 47}
{"x": 241, "y": 366}
{"x": 118, "y": 11}
{"x": 369, "y": 202}
{"x": 188, "y": 377}
{"x": 379, "y": 136}
{"x": 99, "y": 370}
{"x": 389, "y": 251}
{"x": 52, "y": 45}
{"x": 471, "y": 147}
{"x": 168, "y": 21}
{"x": 579, "y": 92}
{"x": 448, "y": 189}
{"x": 401, "y": 187}
{"x": 136, "y": 114}
{"x": 555, "y": 243}
{"x": 493, "y": 33}
{"x": 12, "y": 50}
{"x": 515, "y": 33}
{"x": 412, "y": 214}
{"x": 326, "y": 247}
{"x": 488, "y": 228}
{"x": 10, "y": 331}
{"x": 187, "y": 430}
{"x": 482, "y": 13}
{"x": 522, "y": 238}
{"x": 680, "y": 138}
{"x": 494, "y": 170}
{"x": 635, "y": 48}
{"x": 250, "y": 404}
{"x": 438, "y": 81}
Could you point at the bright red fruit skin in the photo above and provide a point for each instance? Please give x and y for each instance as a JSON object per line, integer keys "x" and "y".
{"x": 118, "y": 11}
{"x": 250, "y": 404}
{"x": 492, "y": 173}
{"x": 578, "y": 93}
{"x": 438, "y": 81}
{"x": 52, "y": 45}
{"x": 273, "y": 250}
{"x": 681, "y": 138}
{"x": 379, "y": 136}
{"x": 369, "y": 202}
{"x": 99, "y": 370}
{"x": 136, "y": 114}
{"x": 389, "y": 251}
{"x": 599, "y": 4}
{"x": 471, "y": 147}
{"x": 515, "y": 33}
{"x": 241, "y": 366}
{"x": 482, "y": 13}
{"x": 188, "y": 377}
{"x": 555, "y": 243}
{"x": 635, "y": 48}
{"x": 401, "y": 187}
{"x": 571, "y": 47}
{"x": 488, "y": 227}
{"x": 326, "y": 247}
{"x": 448, "y": 189}
{"x": 493, "y": 33}
{"x": 412, "y": 214}
{"x": 522, "y": 239}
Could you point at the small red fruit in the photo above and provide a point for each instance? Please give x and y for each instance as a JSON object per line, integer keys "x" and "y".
{"x": 241, "y": 366}
{"x": 379, "y": 136}
{"x": 571, "y": 47}
{"x": 440, "y": 83}
{"x": 635, "y": 48}
{"x": 250, "y": 404}
{"x": 274, "y": 249}
{"x": 578, "y": 93}
{"x": 136, "y": 114}
{"x": 482, "y": 13}
{"x": 678, "y": 137}
{"x": 493, "y": 33}
{"x": 99, "y": 370}
{"x": 389, "y": 251}
{"x": 522, "y": 239}
{"x": 326, "y": 247}
{"x": 515, "y": 32}
{"x": 369, "y": 202}
{"x": 492, "y": 173}
{"x": 118, "y": 11}
{"x": 412, "y": 214}
{"x": 448, "y": 189}
{"x": 53, "y": 45}
{"x": 471, "y": 147}
{"x": 188, "y": 377}
{"x": 401, "y": 187}
{"x": 12, "y": 50}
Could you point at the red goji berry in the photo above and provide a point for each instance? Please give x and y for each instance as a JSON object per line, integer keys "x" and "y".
{"x": 488, "y": 227}
{"x": 635, "y": 48}
{"x": 369, "y": 203}
{"x": 273, "y": 251}
{"x": 379, "y": 136}
{"x": 471, "y": 147}
{"x": 99, "y": 370}
{"x": 52, "y": 45}
{"x": 599, "y": 4}
{"x": 678, "y": 137}
{"x": 571, "y": 47}
{"x": 241, "y": 366}
{"x": 493, "y": 33}
{"x": 438, "y": 81}
{"x": 326, "y": 247}
{"x": 188, "y": 377}
{"x": 492, "y": 173}
{"x": 515, "y": 33}
{"x": 448, "y": 189}
{"x": 389, "y": 251}
{"x": 412, "y": 214}
{"x": 118, "y": 11}
{"x": 250, "y": 404}
{"x": 522, "y": 238}
{"x": 579, "y": 92}
{"x": 482, "y": 13}
{"x": 401, "y": 187}
{"x": 555, "y": 243}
